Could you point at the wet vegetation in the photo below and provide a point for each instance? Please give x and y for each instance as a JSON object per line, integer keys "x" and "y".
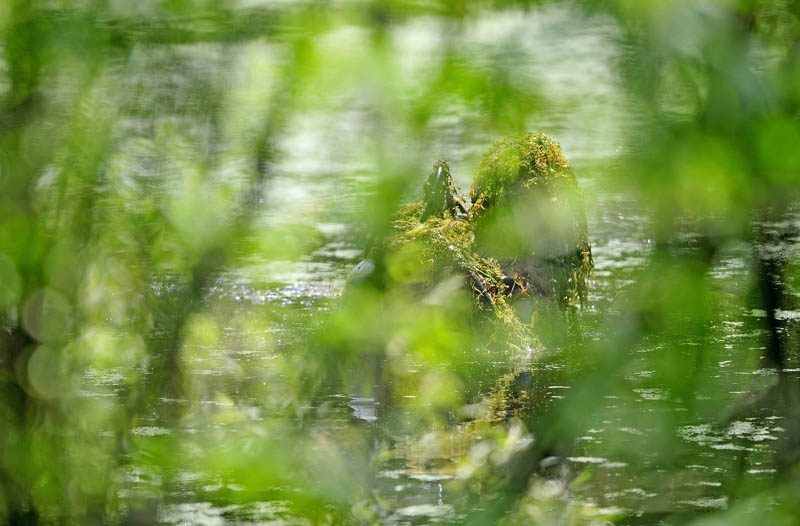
{"x": 234, "y": 291}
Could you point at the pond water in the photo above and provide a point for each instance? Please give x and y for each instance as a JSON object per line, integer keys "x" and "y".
{"x": 322, "y": 178}
{"x": 623, "y": 479}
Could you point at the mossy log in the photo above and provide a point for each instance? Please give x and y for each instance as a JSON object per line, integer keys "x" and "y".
{"x": 524, "y": 236}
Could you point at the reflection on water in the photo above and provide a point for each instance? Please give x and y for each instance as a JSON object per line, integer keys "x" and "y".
{"x": 206, "y": 514}
{"x": 571, "y": 60}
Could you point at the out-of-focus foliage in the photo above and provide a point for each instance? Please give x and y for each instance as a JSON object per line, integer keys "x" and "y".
{"x": 185, "y": 185}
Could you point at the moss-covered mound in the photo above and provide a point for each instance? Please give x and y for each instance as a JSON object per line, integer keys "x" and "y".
{"x": 527, "y": 212}
{"x": 515, "y": 162}
{"x": 524, "y": 236}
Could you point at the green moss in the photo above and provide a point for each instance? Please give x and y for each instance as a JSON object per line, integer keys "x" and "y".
{"x": 441, "y": 235}
{"x": 530, "y": 171}
{"x": 516, "y": 161}
{"x": 445, "y": 246}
